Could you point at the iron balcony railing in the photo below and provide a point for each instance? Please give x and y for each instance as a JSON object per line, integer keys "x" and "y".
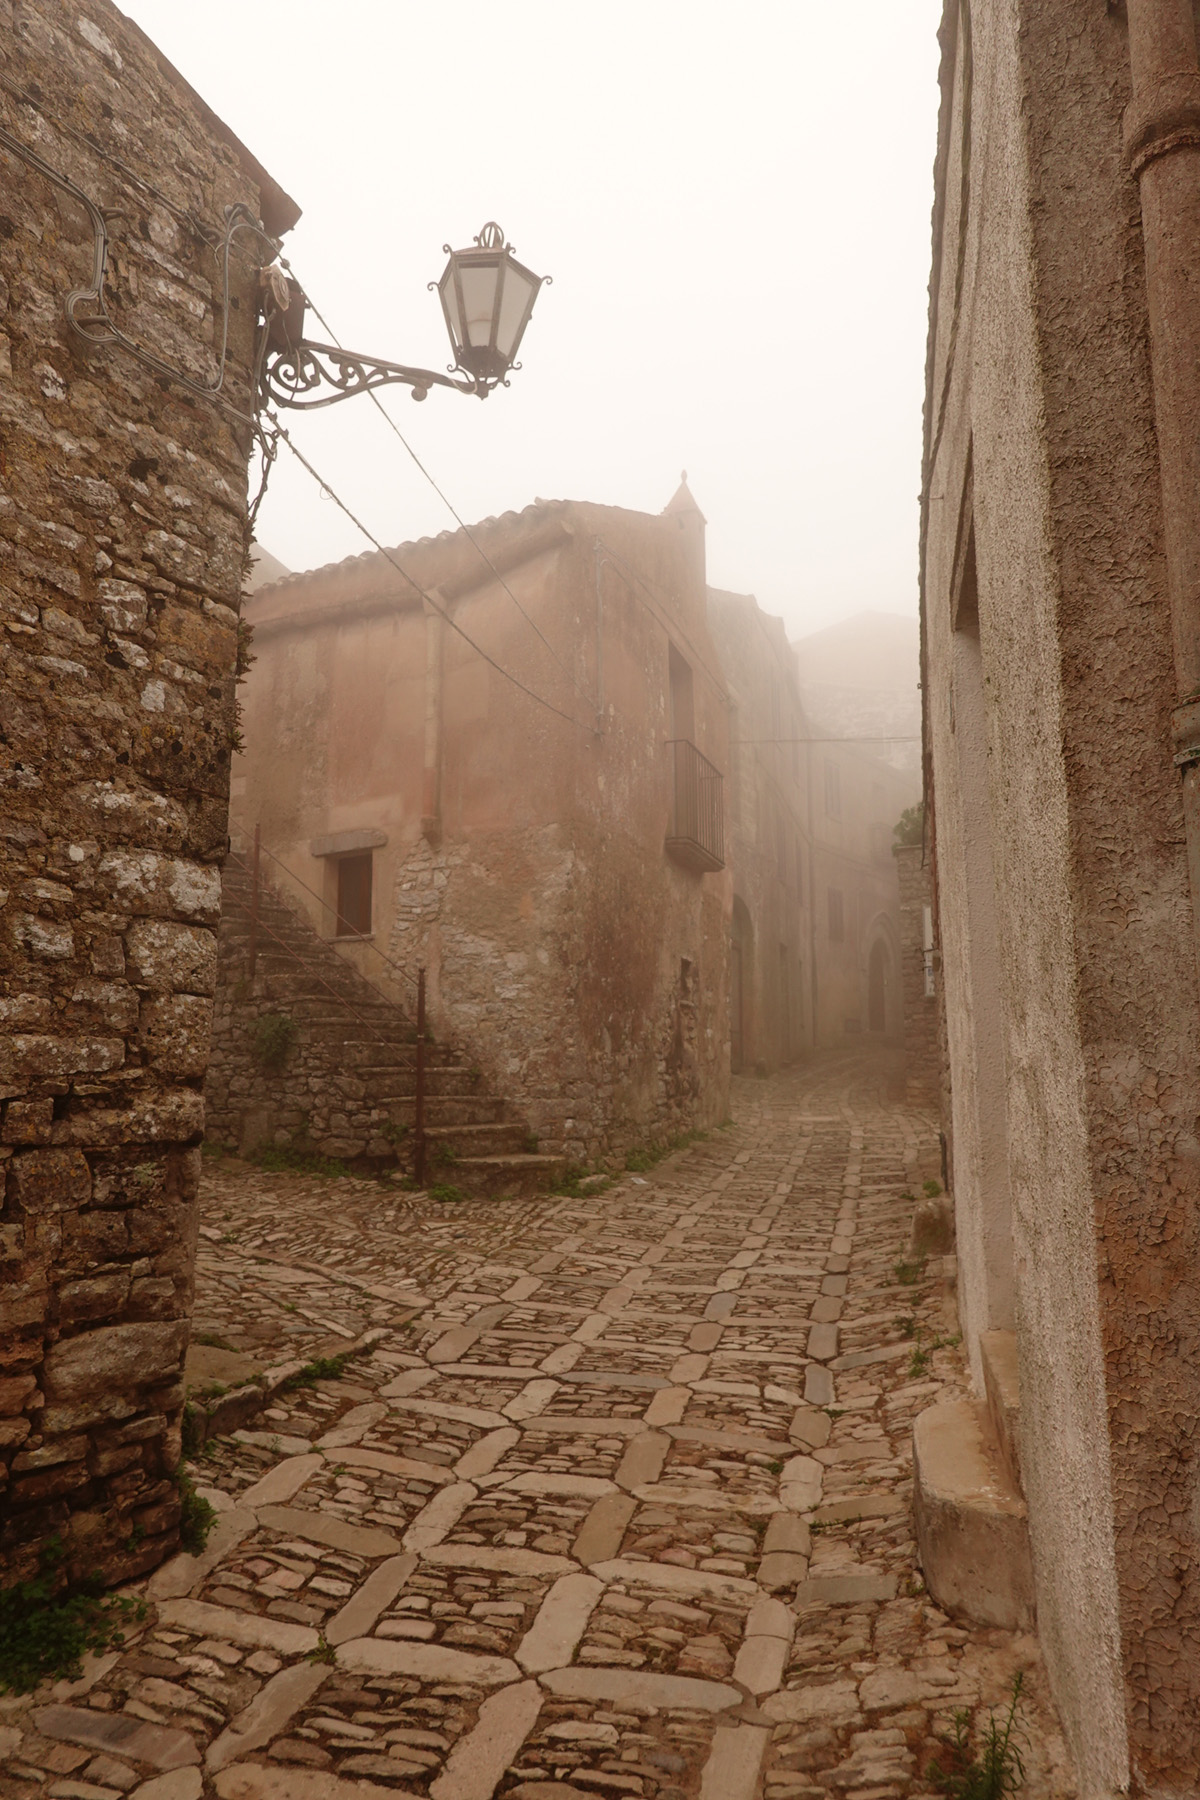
{"x": 696, "y": 835}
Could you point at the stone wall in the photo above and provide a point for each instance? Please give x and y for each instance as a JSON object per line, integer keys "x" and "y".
{"x": 122, "y": 516}
{"x": 922, "y": 1055}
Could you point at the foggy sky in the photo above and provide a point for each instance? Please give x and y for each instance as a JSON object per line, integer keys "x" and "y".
{"x": 733, "y": 200}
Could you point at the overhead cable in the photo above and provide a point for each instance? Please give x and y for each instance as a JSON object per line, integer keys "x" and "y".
{"x": 416, "y": 586}
{"x": 450, "y": 507}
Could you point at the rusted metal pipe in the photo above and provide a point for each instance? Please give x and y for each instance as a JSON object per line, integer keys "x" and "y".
{"x": 419, "y": 1110}
{"x": 1162, "y": 148}
{"x": 254, "y": 902}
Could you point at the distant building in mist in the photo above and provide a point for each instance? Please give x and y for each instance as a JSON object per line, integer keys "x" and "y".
{"x": 861, "y": 679}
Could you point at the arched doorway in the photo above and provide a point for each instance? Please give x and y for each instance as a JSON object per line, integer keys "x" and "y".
{"x": 741, "y": 976}
{"x": 877, "y": 987}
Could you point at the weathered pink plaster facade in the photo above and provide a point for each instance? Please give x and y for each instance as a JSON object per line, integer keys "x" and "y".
{"x": 520, "y": 856}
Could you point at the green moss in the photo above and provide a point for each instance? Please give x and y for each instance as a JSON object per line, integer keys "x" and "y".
{"x": 297, "y": 1159}
{"x": 47, "y": 1626}
{"x": 444, "y": 1191}
{"x": 272, "y": 1039}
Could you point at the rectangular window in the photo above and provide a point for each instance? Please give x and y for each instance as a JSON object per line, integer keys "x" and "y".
{"x": 837, "y": 917}
{"x": 354, "y": 895}
{"x": 683, "y": 706}
{"x": 833, "y": 790}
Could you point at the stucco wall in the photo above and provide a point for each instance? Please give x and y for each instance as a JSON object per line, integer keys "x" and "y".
{"x": 524, "y": 864}
{"x": 1039, "y": 372}
{"x": 122, "y": 516}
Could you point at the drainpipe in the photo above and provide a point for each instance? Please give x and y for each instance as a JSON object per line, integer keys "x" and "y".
{"x": 1162, "y": 148}
{"x": 431, "y": 774}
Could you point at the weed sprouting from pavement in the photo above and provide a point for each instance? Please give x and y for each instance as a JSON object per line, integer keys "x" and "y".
{"x": 995, "y": 1770}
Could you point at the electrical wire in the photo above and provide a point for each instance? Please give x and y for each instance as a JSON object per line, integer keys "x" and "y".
{"x": 238, "y": 219}
{"x": 415, "y": 585}
{"x": 449, "y": 505}
{"x": 202, "y": 230}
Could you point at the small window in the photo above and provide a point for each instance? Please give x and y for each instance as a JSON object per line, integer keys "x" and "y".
{"x": 833, "y": 790}
{"x": 837, "y": 917}
{"x": 354, "y": 895}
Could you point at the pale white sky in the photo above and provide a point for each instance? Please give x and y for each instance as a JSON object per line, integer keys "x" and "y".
{"x": 733, "y": 200}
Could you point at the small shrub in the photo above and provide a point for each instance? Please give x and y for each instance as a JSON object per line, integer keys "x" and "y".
{"x": 273, "y": 1037}
{"x": 324, "y": 1652}
{"x": 443, "y": 1156}
{"x": 446, "y": 1193}
{"x": 197, "y": 1518}
{"x": 992, "y": 1772}
{"x": 910, "y": 827}
{"x": 909, "y": 1273}
{"x": 906, "y": 1326}
{"x": 532, "y": 1143}
{"x": 931, "y": 1189}
{"x": 46, "y": 1627}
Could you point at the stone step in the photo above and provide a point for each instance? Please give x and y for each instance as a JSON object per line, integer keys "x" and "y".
{"x": 971, "y": 1523}
{"x": 999, "y": 1352}
{"x": 518, "y": 1175}
{"x": 458, "y": 1143}
{"x": 451, "y": 1109}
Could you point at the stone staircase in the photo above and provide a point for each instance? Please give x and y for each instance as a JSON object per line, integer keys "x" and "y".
{"x": 346, "y": 1085}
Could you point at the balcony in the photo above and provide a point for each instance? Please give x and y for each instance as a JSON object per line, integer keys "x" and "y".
{"x": 696, "y": 834}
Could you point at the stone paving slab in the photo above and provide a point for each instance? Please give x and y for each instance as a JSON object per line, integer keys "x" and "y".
{"x": 625, "y": 1510}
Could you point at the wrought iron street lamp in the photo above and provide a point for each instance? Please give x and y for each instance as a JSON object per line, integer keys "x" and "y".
{"x": 487, "y": 297}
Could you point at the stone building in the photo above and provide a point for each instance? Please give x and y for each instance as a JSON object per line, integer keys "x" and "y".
{"x": 1061, "y": 639}
{"x": 815, "y": 946}
{"x": 122, "y": 533}
{"x": 499, "y": 755}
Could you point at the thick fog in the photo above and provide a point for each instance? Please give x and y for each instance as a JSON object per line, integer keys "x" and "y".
{"x": 733, "y": 201}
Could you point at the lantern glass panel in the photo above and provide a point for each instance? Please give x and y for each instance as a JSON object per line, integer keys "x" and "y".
{"x": 479, "y": 300}
{"x": 449, "y": 296}
{"x": 515, "y": 302}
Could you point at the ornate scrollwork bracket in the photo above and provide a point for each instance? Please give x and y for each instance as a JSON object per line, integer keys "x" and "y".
{"x": 307, "y": 375}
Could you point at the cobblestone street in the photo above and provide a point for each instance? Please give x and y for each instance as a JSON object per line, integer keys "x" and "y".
{"x": 623, "y": 1509}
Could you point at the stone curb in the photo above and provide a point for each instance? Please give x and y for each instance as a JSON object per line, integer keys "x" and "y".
{"x": 232, "y": 1411}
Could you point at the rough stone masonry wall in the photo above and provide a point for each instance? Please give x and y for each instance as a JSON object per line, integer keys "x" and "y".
{"x": 922, "y": 1055}
{"x": 122, "y": 509}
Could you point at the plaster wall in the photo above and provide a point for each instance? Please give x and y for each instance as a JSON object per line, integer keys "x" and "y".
{"x": 122, "y": 534}
{"x": 582, "y": 969}
{"x": 922, "y": 1050}
{"x": 1039, "y": 382}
